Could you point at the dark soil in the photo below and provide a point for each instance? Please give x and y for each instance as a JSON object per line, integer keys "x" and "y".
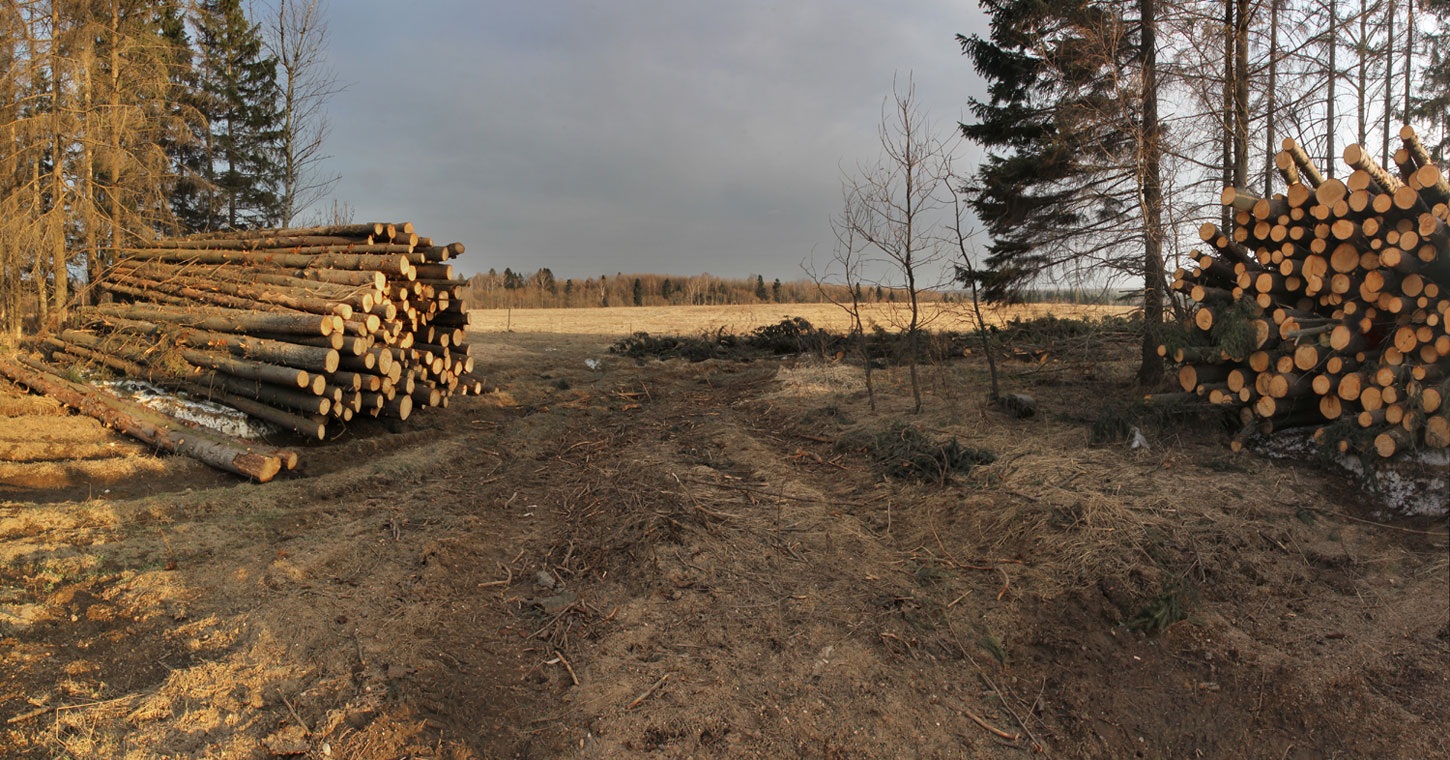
{"x": 693, "y": 559}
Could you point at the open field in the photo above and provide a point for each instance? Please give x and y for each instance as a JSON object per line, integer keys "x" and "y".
{"x": 693, "y": 320}
{"x": 667, "y": 559}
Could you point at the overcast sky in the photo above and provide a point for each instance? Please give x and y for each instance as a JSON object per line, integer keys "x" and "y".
{"x": 651, "y": 136}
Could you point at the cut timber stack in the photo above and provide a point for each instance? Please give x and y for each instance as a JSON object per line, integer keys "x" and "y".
{"x": 1327, "y": 305}
{"x": 220, "y": 451}
{"x": 304, "y": 328}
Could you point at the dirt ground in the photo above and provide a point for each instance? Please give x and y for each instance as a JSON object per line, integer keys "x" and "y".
{"x": 676, "y": 560}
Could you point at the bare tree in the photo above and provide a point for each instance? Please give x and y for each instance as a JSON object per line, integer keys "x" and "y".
{"x": 846, "y": 265}
{"x": 296, "y": 35}
{"x": 899, "y": 199}
{"x": 968, "y": 272}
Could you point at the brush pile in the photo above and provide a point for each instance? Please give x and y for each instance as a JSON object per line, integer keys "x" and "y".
{"x": 1326, "y": 305}
{"x": 303, "y": 328}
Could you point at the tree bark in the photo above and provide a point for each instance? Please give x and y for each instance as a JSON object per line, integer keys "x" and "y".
{"x": 1271, "y": 112}
{"x": 1241, "y": 95}
{"x": 145, "y": 425}
{"x": 224, "y": 320}
{"x": 1333, "y": 70}
{"x": 1150, "y": 371}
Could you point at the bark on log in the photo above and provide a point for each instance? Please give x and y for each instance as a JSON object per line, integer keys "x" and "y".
{"x": 145, "y": 425}
{"x": 224, "y": 321}
{"x": 374, "y": 229}
{"x": 393, "y": 265}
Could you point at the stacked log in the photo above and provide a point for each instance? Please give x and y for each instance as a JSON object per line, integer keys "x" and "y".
{"x": 1326, "y": 305}
{"x": 220, "y": 451}
{"x": 304, "y": 328}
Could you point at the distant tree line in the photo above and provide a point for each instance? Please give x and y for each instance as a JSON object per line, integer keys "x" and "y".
{"x": 124, "y": 119}
{"x": 541, "y": 289}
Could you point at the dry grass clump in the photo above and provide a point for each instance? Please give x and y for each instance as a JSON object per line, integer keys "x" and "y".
{"x": 818, "y": 378}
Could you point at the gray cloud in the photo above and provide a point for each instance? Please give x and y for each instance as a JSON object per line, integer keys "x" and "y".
{"x": 627, "y": 136}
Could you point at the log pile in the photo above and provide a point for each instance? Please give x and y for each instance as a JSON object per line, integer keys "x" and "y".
{"x": 223, "y": 452}
{"x": 304, "y": 328}
{"x": 1326, "y": 305}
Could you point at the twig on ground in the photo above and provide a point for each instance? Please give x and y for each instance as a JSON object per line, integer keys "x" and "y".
{"x": 559, "y": 659}
{"x": 989, "y": 726}
{"x": 647, "y": 692}
{"x": 62, "y": 708}
{"x": 504, "y": 582}
{"x": 293, "y": 710}
{"x": 553, "y": 620}
{"x": 799, "y": 453}
{"x": 1002, "y": 697}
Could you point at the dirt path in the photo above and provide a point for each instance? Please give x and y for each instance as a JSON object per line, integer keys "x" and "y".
{"x": 683, "y": 560}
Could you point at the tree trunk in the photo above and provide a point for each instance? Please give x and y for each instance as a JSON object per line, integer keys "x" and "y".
{"x": 58, "y": 267}
{"x": 118, "y": 225}
{"x": 311, "y": 358}
{"x": 222, "y": 320}
{"x": 1409, "y": 54}
{"x": 1361, "y": 96}
{"x": 1150, "y": 371}
{"x": 37, "y": 264}
{"x": 87, "y": 195}
{"x": 1329, "y": 156}
{"x": 1241, "y": 95}
{"x": 394, "y": 265}
{"x": 1271, "y": 148}
{"x": 1226, "y": 214}
{"x": 1389, "y": 82}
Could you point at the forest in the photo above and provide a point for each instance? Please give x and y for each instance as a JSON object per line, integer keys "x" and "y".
{"x": 542, "y": 289}
{"x": 129, "y": 119}
{"x": 1110, "y": 128}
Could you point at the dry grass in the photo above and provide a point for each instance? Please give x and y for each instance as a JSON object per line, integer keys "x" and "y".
{"x": 708, "y": 541}
{"x": 693, "y": 320}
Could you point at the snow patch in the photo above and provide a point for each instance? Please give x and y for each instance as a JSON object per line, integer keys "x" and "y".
{"x": 1412, "y": 486}
{"x": 222, "y": 419}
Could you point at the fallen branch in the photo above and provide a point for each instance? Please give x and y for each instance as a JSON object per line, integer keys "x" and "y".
{"x": 647, "y": 692}
{"x": 560, "y": 660}
{"x": 62, "y": 708}
{"x": 989, "y": 726}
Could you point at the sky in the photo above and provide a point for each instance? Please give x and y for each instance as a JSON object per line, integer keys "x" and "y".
{"x": 628, "y": 136}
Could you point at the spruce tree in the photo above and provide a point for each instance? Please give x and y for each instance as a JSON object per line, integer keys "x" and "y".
{"x": 1045, "y": 192}
{"x": 1072, "y": 176}
{"x": 187, "y": 148}
{"x": 760, "y": 293}
{"x": 237, "y": 93}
